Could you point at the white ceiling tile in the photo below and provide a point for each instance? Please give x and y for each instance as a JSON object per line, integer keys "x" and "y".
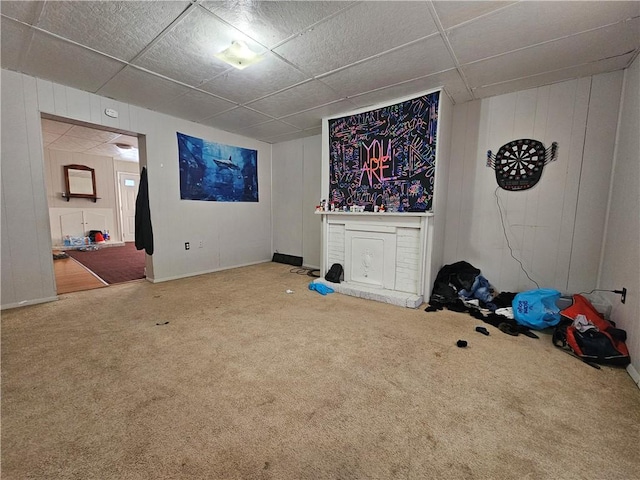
{"x": 73, "y": 144}
{"x": 587, "y": 47}
{"x": 141, "y": 88}
{"x": 236, "y": 119}
{"x": 195, "y": 106}
{"x": 14, "y": 41}
{"x": 255, "y": 81}
{"x": 272, "y": 22}
{"x": 61, "y": 62}
{"x": 99, "y": 136}
{"x": 364, "y": 30}
{"x": 119, "y": 28}
{"x": 129, "y": 156}
{"x": 423, "y": 58}
{"x": 110, "y": 150}
{"x": 268, "y": 129}
{"x": 26, "y": 12}
{"x": 593, "y": 68}
{"x": 293, "y": 136}
{"x": 459, "y": 97}
{"x": 127, "y": 139}
{"x": 48, "y": 138}
{"x": 313, "y": 118}
{"x": 53, "y": 126}
{"x": 295, "y": 99}
{"x": 186, "y": 53}
{"x": 511, "y": 28}
{"x": 105, "y": 150}
{"x": 454, "y": 13}
{"x": 454, "y": 87}
{"x": 369, "y": 52}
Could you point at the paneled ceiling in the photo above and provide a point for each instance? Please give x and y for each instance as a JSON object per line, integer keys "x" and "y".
{"x": 320, "y": 58}
{"x": 68, "y": 137}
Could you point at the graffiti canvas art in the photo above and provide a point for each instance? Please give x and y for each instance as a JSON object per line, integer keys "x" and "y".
{"x": 385, "y": 156}
{"x": 216, "y": 172}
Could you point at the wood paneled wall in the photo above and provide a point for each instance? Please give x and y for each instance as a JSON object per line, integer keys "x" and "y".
{"x": 620, "y": 266}
{"x": 556, "y": 228}
{"x": 232, "y": 234}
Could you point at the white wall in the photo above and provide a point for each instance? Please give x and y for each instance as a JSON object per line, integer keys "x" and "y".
{"x": 233, "y": 234}
{"x": 106, "y": 169}
{"x": 27, "y": 265}
{"x": 296, "y": 191}
{"x": 437, "y": 223}
{"x": 621, "y": 253}
{"x": 556, "y": 227}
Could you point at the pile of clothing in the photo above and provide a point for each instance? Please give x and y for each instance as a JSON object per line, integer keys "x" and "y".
{"x": 460, "y": 287}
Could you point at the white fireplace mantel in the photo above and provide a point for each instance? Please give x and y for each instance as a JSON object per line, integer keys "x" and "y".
{"x": 391, "y": 257}
{"x": 385, "y": 256}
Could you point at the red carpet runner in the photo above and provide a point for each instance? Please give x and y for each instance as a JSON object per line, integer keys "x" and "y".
{"x": 113, "y": 264}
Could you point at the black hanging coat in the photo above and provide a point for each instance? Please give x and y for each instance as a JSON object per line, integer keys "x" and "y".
{"x": 144, "y": 232}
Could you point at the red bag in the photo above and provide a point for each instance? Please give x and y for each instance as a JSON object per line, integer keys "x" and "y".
{"x": 597, "y": 340}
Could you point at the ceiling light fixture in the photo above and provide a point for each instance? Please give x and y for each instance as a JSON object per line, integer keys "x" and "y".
{"x": 239, "y": 55}
{"x": 124, "y": 146}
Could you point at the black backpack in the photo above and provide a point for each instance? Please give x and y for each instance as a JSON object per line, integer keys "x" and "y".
{"x": 604, "y": 343}
{"x": 334, "y": 273}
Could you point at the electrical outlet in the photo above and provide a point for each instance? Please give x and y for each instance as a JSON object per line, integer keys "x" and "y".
{"x": 201, "y": 244}
{"x": 187, "y": 246}
{"x": 622, "y": 293}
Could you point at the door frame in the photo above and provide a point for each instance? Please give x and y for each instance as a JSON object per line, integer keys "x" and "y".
{"x": 119, "y": 173}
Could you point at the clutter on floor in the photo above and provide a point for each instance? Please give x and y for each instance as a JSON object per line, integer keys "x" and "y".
{"x": 94, "y": 238}
{"x": 334, "y": 274}
{"x": 587, "y": 335}
{"x": 59, "y": 255}
{"x": 579, "y": 328}
{"x": 460, "y": 287}
{"x": 320, "y": 288}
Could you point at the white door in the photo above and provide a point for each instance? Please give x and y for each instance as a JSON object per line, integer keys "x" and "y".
{"x": 128, "y": 188}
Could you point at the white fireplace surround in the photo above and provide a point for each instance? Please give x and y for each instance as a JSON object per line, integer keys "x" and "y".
{"x": 385, "y": 256}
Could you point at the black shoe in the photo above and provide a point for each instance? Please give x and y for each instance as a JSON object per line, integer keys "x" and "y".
{"x": 482, "y": 330}
{"x": 508, "y": 329}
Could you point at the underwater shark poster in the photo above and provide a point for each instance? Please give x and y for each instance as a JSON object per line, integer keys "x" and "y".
{"x": 216, "y": 172}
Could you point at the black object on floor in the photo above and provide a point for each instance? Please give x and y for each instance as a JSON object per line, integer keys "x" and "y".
{"x": 334, "y": 274}
{"x": 508, "y": 329}
{"x": 461, "y": 343}
{"x": 288, "y": 259}
{"x": 482, "y": 330}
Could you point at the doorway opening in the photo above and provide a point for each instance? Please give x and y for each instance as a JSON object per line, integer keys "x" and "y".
{"x": 92, "y": 240}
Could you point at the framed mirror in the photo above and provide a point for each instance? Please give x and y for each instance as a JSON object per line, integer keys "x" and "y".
{"x": 80, "y": 181}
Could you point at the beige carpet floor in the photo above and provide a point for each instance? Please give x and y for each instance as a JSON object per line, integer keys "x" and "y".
{"x": 246, "y": 381}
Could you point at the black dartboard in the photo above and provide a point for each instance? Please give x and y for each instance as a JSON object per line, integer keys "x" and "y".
{"x": 519, "y": 164}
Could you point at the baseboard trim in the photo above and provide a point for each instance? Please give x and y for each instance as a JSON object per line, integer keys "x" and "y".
{"x": 631, "y": 370}
{"x": 25, "y": 303}
{"x": 195, "y": 274}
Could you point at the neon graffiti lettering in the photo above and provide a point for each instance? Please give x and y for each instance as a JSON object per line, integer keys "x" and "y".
{"x": 375, "y": 160}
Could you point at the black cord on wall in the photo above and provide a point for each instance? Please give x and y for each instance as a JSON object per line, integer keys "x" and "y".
{"x": 504, "y": 230}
